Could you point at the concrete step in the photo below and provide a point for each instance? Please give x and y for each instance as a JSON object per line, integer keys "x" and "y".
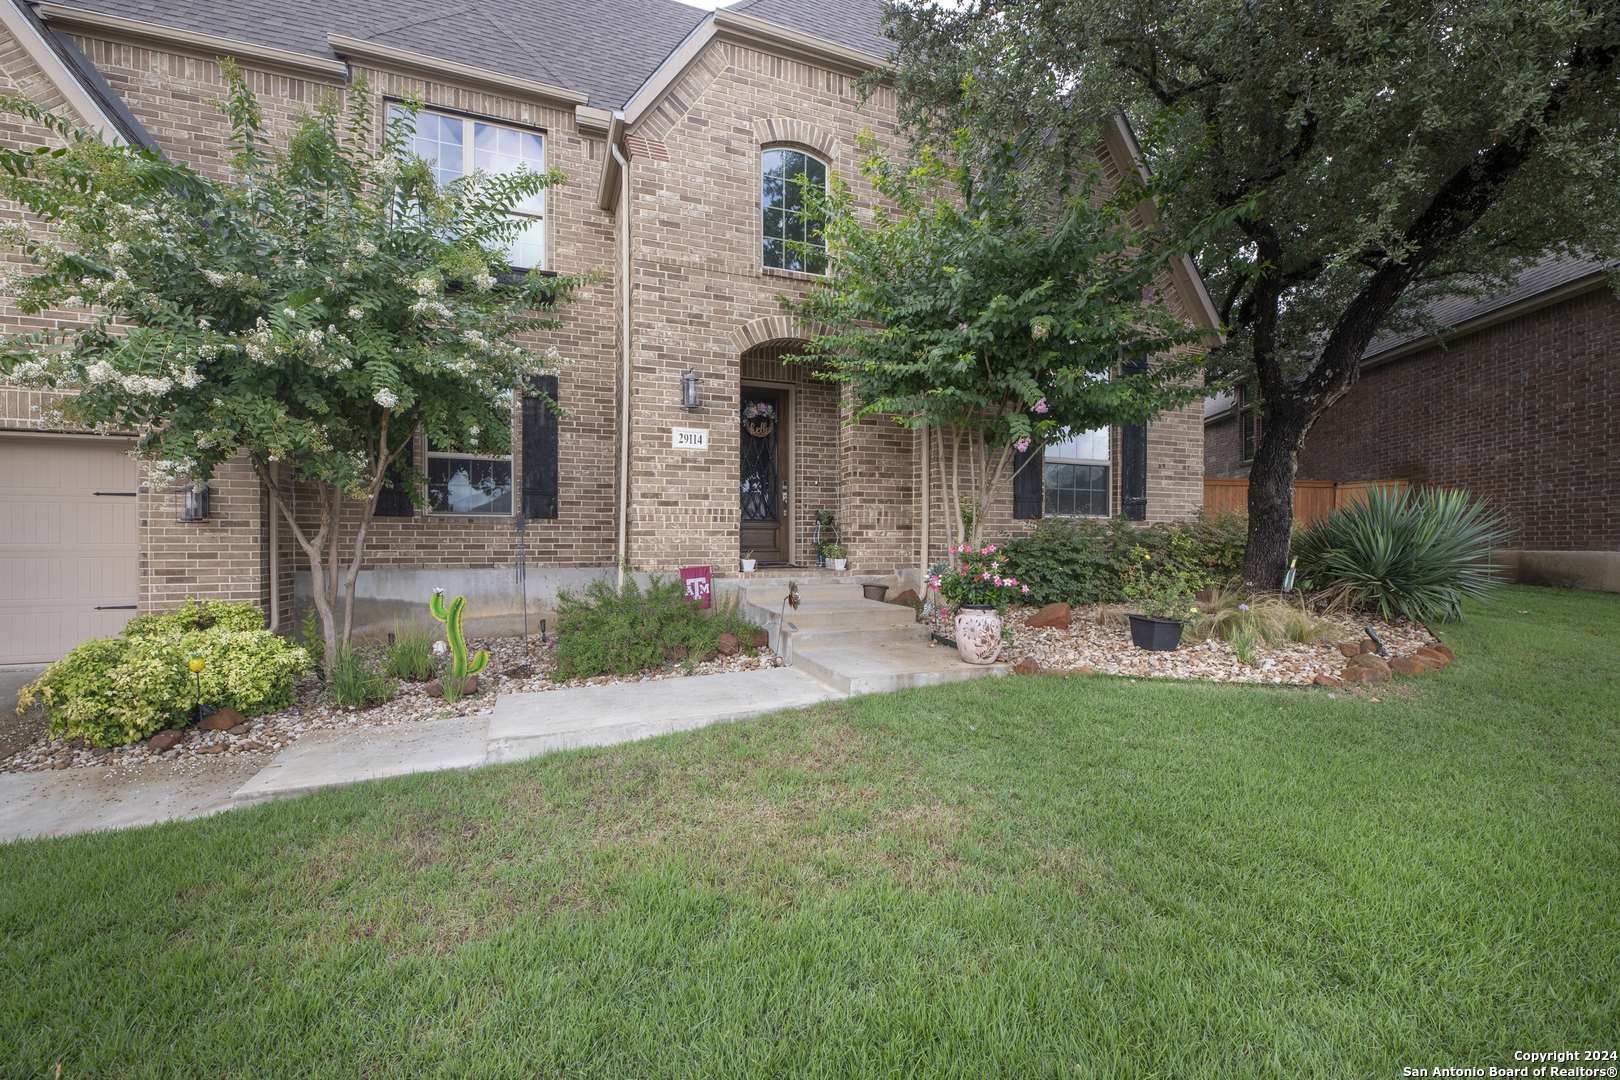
{"x": 526, "y": 725}
{"x": 772, "y": 595}
{"x": 877, "y": 666}
{"x": 794, "y": 640}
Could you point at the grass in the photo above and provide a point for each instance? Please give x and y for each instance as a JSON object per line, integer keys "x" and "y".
{"x": 1032, "y": 877}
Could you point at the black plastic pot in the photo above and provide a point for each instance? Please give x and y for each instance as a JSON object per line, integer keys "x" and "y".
{"x": 1156, "y": 635}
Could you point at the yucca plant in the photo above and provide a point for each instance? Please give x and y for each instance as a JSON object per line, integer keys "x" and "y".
{"x": 1411, "y": 554}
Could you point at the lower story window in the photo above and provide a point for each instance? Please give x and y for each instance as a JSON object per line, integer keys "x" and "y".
{"x": 469, "y": 484}
{"x": 1075, "y": 480}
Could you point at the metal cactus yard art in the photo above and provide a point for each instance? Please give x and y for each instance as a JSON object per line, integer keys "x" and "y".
{"x": 461, "y": 665}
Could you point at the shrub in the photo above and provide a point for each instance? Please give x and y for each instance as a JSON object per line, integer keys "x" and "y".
{"x": 354, "y": 683}
{"x": 609, "y": 631}
{"x": 252, "y": 671}
{"x": 1231, "y": 614}
{"x": 196, "y": 614}
{"x": 1158, "y": 589}
{"x": 113, "y": 691}
{"x": 1411, "y": 554}
{"x": 410, "y": 655}
{"x": 1086, "y": 561}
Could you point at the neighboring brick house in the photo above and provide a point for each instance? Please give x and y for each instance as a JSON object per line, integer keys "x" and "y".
{"x": 675, "y": 128}
{"x": 1518, "y": 401}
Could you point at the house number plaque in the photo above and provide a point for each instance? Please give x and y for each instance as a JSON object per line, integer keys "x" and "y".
{"x": 689, "y": 438}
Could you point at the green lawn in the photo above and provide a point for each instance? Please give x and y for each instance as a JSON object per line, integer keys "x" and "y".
{"x": 1030, "y": 877}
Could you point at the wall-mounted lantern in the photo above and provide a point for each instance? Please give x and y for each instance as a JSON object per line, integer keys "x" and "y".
{"x": 689, "y": 390}
{"x": 193, "y": 502}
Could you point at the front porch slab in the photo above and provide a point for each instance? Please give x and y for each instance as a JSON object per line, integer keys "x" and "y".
{"x": 873, "y": 665}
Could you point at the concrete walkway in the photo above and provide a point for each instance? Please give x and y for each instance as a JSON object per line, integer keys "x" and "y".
{"x": 521, "y": 726}
{"x": 837, "y": 644}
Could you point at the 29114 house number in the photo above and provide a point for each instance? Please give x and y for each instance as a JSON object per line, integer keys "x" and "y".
{"x": 689, "y": 438}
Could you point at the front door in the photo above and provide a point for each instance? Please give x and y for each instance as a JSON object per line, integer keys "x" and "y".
{"x": 764, "y": 474}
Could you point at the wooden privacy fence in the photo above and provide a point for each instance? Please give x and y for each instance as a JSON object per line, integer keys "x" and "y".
{"x": 1313, "y": 499}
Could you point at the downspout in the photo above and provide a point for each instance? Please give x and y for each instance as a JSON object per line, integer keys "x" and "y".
{"x": 927, "y": 498}
{"x": 624, "y": 351}
{"x": 275, "y": 565}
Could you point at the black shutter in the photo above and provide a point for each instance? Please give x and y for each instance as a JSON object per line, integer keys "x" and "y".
{"x": 1133, "y": 460}
{"x": 1028, "y": 487}
{"x": 394, "y": 500}
{"x": 540, "y": 449}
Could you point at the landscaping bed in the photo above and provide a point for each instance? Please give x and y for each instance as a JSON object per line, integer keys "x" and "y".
{"x": 1097, "y": 640}
{"x": 512, "y": 670}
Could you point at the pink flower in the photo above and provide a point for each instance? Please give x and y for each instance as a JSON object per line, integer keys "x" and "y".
{"x": 1040, "y": 406}
{"x": 1023, "y": 588}
{"x": 1012, "y": 581}
{"x": 1022, "y": 445}
{"x": 985, "y": 576}
{"x": 997, "y": 581}
{"x": 991, "y": 549}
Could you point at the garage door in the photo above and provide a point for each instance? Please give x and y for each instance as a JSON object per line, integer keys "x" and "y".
{"x": 69, "y": 543}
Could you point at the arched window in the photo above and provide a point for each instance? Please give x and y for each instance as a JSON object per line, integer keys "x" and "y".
{"x": 792, "y": 240}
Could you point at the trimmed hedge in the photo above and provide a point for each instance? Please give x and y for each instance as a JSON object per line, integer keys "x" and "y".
{"x": 113, "y": 691}
{"x": 1084, "y": 561}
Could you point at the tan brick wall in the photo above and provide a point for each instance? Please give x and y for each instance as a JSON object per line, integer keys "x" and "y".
{"x": 702, "y": 299}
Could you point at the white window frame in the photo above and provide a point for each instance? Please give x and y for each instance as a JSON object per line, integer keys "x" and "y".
{"x": 468, "y": 156}
{"x": 1106, "y": 462}
{"x": 826, "y": 171}
{"x": 449, "y": 455}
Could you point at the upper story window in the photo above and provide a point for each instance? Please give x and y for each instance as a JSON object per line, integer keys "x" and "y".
{"x": 457, "y": 146}
{"x": 793, "y": 241}
{"x": 1076, "y": 475}
{"x": 1248, "y": 421}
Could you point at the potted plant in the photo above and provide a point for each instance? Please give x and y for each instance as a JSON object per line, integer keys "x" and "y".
{"x": 1164, "y": 601}
{"x": 834, "y": 553}
{"x": 748, "y": 562}
{"x": 825, "y": 532}
{"x": 974, "y": 587}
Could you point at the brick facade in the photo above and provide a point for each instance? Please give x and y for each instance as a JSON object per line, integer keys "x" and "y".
{"x": 698, "y": 299}
{"x": 1524, "y": 412}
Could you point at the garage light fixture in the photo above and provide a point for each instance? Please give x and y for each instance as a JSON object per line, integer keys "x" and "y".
{"x": 194, "y": 502}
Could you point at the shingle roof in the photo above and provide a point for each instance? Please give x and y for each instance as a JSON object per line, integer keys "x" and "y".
{"x": 855, "y": 24}
{"x": 603, "y": 48}
{"x": 1451, "y": 311}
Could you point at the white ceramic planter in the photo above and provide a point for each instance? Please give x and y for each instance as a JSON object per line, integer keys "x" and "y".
{"x": 839, "y": 564}
{"x": 748, "y": 566}
{"x": 978, "y": 635}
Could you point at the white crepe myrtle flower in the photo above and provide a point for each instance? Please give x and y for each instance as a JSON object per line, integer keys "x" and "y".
{"x": 356, "y": 312}
{"x": 190, "y": 379}
{"x": 386, "y": 398}
{"x": 100, "y": 373}
{"x": 213, "y": 277}
{"x": 425, "y": 286}
{"x": 366, "y": 248}
{"x": 485, "y": 281}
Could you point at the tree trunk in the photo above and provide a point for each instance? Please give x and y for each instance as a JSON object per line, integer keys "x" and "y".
{"x": 1271, "y": 502}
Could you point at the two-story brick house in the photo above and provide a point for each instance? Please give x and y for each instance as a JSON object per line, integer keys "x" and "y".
{"x": 677, "y": 130}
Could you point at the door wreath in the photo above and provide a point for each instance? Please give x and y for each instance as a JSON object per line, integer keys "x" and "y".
{"x": 759, "y": 418}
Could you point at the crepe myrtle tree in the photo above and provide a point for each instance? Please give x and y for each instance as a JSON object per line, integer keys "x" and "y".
{"x": 309, "y": 313}
{"x": 998, "y": 323}
{"x": 1379, "y": 155}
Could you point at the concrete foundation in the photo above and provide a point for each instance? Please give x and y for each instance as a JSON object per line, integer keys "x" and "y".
{"x": 1596, "y": 570}
{"x": 385, "y": 599}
